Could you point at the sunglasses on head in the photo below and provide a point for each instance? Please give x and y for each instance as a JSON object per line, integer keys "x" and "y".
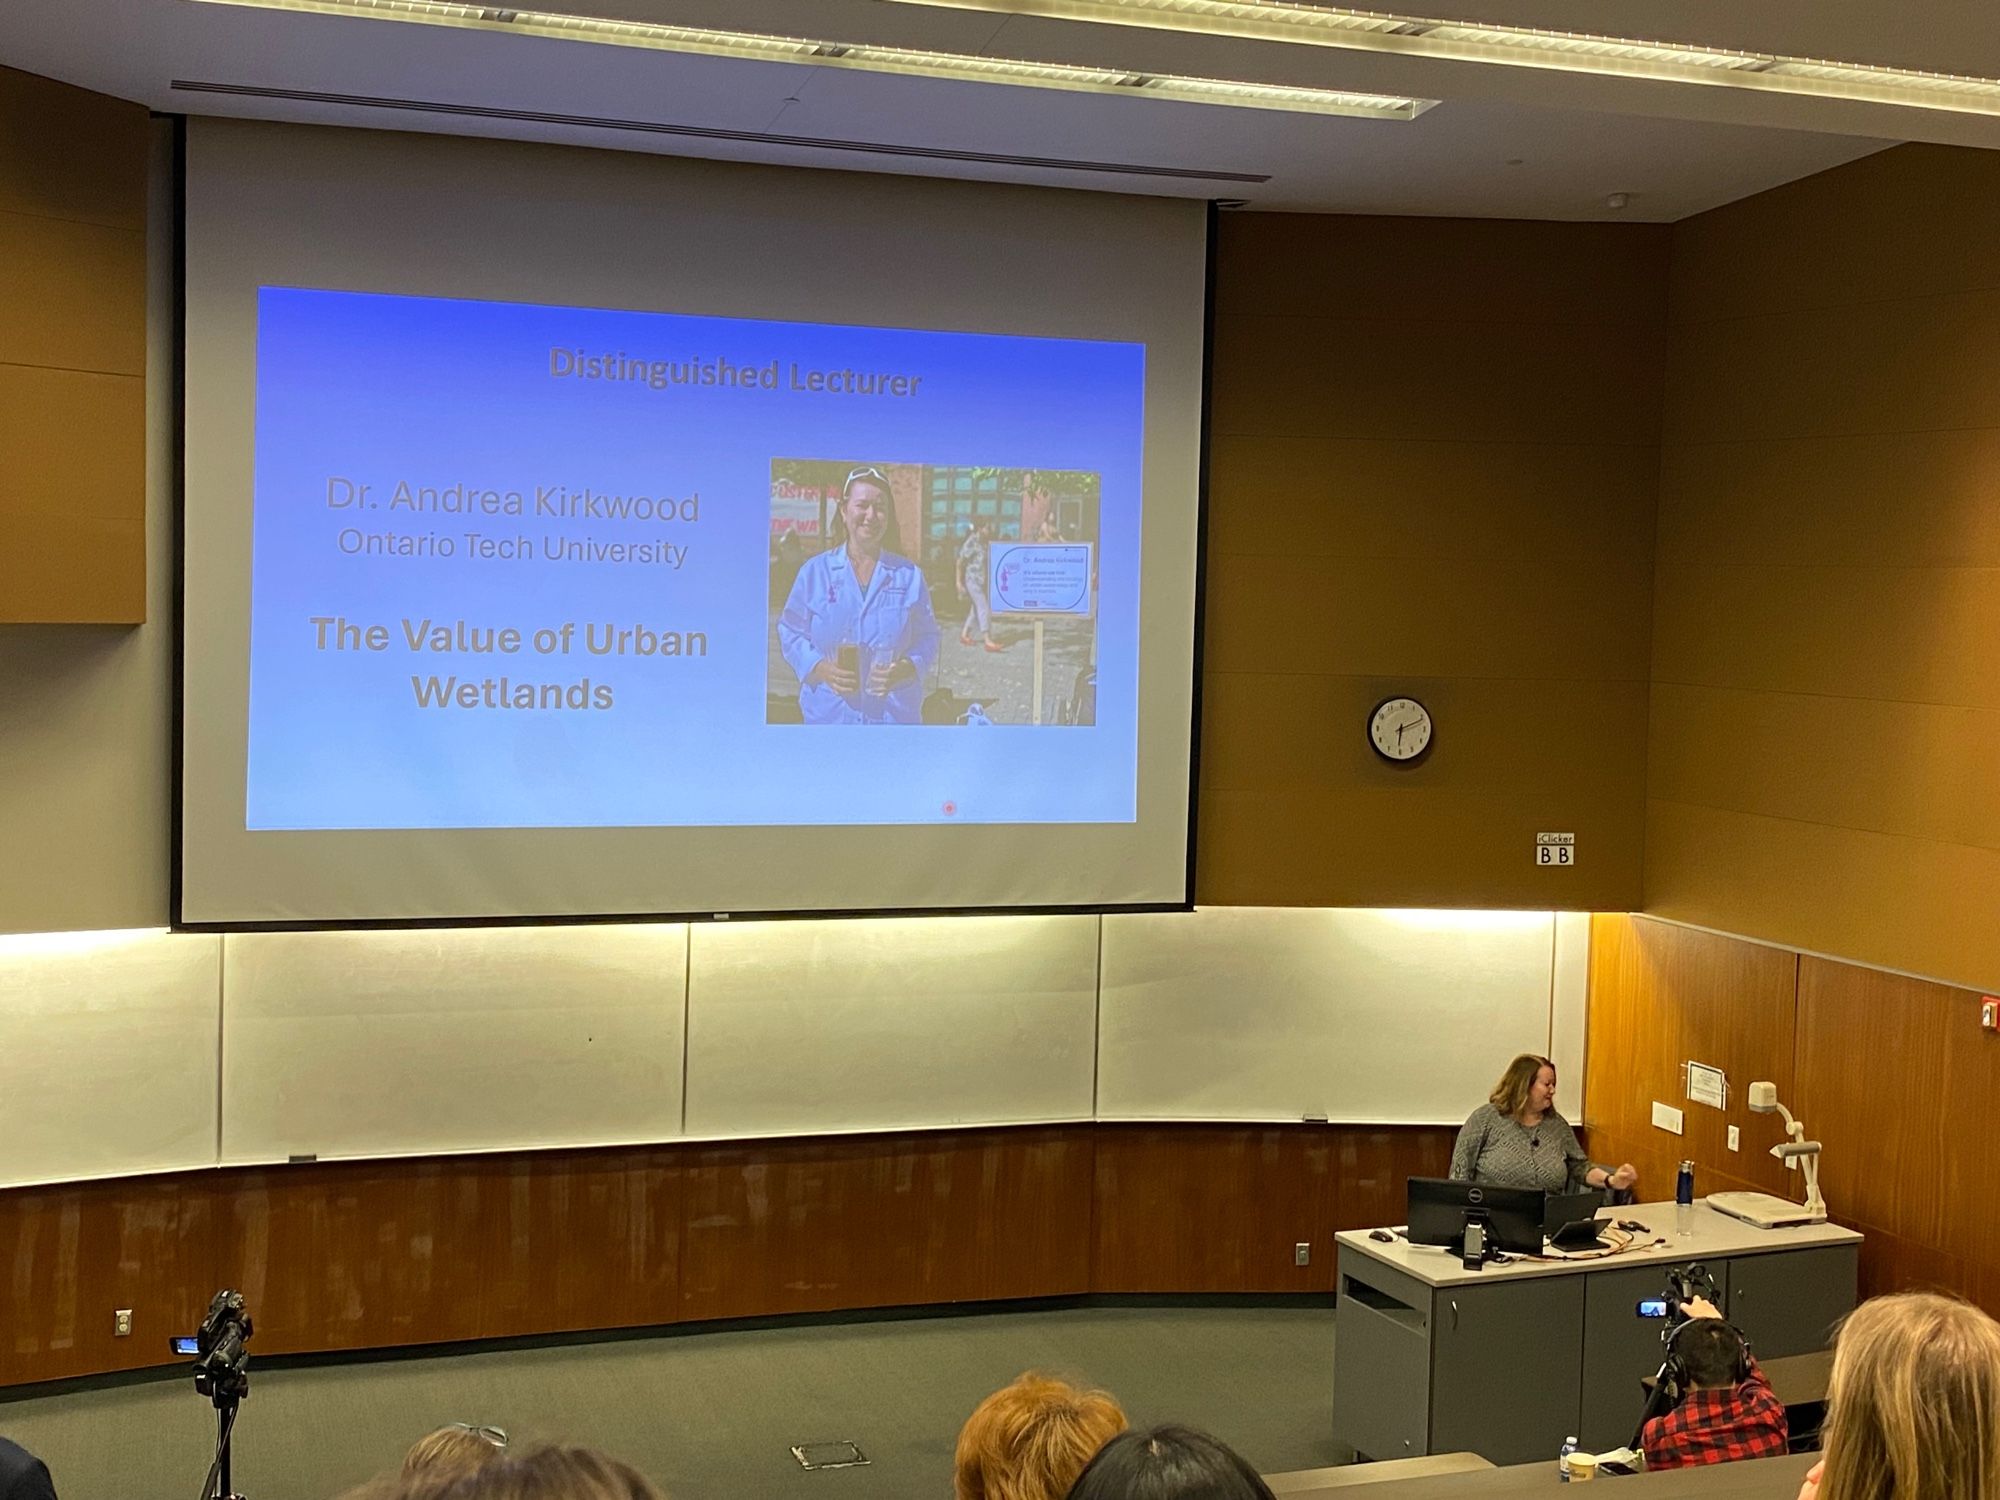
{"x": 868, "y": 472}
{"x": 497, "y": 1436}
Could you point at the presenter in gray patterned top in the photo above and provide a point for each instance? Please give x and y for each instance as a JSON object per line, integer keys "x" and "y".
{"x": 1516, "y": 1138}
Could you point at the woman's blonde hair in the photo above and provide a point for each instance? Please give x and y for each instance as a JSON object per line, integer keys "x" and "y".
{"x": 1510, "y": 1094}
{"x": 455, "y": 1449}
{"x": 1029, "y": 1440}
{"x": 1913, "y": 1409}
{"x": 552, "y": 1473}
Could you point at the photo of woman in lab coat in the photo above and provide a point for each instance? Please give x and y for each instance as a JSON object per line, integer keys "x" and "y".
{"x": 857, "y": 627}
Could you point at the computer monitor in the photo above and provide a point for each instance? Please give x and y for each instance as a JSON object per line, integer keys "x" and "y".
{"x": 1440, "y": 1207}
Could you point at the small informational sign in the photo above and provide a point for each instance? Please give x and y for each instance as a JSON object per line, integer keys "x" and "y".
{"x": 1555, "y": 848}
{"x": 1706, "y": 1085}
{"x": 1040, "y": 578}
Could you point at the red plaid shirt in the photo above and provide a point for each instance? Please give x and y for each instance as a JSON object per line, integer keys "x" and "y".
{"x": 1714, "y": 1427}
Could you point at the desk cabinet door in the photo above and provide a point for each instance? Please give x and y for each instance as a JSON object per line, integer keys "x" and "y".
{"x": 1506, "y": 1372}
{"x": 1787, "y": 1302}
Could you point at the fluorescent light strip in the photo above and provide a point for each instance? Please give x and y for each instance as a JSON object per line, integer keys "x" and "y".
{"x": 761, "y": 48}
{"x": 1516, "y": 46}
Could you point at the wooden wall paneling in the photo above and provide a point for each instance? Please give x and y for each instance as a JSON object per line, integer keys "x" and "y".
{"x": 77, "y": 1253}
{"x": 1918, "y": 770}
{"x": 1857, "y": 220}
{"x": 1872, "y": 1057}
{"x": 1373, "y": 1168}
{"x": 1918, "y": 904}
{"x": 377, "y": 1254}
{"x": 74, "y": 296}
{"x": 1390, "y": 496}
{"x": 1532, "y": 270}
{"x": 1214, "y": 1208}
{"x": 1820, "y": 500}
{"x": 1911, "y": 635}
{"x": 1297, "y": 810}
{"x": 1520, "y": 502}
{"x": 50, "y": 127}
{"x": 73, "y": 332}
{"x": 774, "y": 1227}
{"x": 1662, "y": 995}
{"x": 1826, "y": 645}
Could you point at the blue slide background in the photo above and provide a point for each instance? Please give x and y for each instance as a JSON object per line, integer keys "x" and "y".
{"x": 377, "y": 389}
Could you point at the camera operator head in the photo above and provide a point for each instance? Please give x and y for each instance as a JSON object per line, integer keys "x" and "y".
{"x": 1709, "y": 1350}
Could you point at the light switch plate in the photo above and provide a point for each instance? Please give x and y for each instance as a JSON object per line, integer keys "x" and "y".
{"x": 1736, "y": 1138}
{"x": 1666, "y": 1117}
{"x": 1302, "y": 1253}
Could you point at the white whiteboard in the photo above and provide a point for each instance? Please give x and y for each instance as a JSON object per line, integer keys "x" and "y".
{"x": 822, "y": 1027}
{"x": 107, "y": 1054}
{"x": 412, "y": 1043}
{"x": 1268, "y": 1013}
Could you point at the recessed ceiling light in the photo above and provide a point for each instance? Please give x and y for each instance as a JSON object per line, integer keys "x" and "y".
{"x": 761, "y": 48}
{"x": 1519, "y": 46}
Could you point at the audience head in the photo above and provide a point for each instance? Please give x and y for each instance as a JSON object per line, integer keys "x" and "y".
{"x": 553, "y": 1473}
{"x": 1528, "y": 1079}
{"x": 1168, "y": 1463}
{"x": 454, "y": 1449}
{"x": 1029, "y": 1440}
{"x": 1913, "y": 1409}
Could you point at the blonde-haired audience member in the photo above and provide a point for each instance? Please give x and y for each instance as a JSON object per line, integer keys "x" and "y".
{"x": 454, "y": 1449}
{"x": 1030, "y": 1439}
{"x": 552, "y": 1473}
{"x": 1913, "y": 1407}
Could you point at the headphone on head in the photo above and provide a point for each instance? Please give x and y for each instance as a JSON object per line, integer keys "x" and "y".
{"x": 1739, "y": 1370}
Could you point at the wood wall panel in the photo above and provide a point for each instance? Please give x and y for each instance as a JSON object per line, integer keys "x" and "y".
{"x": 1504, "y": 380}
{"x": 1491, "y": 270}
{"x": 874, "y": 1221}
{"x": 1919, "y": 770}
{"x": 1908, "y": 903}
{"x": 74, "y": 297}
{"x": 1902, "y": 635}
{"x": 1851, "y": 1022}
{"x": 1821, "y": 501}
{"x": 76, "y": 1253}
{"x": 73, "y": 289}
{"x": 1826, "y": 644}
{"x": 1449, "y": 497}
{"x": 1659, "y": 996}
{"x": 1520, "y": 502}
{"x": 371, "y": 1255}
{"x": 1220, "y": 1208}
{"x": 359, "y": 1255}
{"x": 1892, "y": 1074}
{"x": 49, "y": 127}
{"x": 1865, "y": 224}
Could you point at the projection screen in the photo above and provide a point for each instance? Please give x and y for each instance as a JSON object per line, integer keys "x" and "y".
{"x": 575, "y": 533}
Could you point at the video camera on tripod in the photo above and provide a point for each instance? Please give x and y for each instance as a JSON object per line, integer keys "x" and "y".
{"x": 1685, "y": 1284}
{"x": 221, "y": 1373}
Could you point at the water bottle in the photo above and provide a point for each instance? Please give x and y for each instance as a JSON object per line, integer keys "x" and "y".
{"x": 1562, "y": 1458}
{"x": 1684, "y": 1201}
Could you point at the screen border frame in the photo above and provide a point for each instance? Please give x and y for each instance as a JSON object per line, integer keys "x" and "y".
{"x": 177, "y": 920}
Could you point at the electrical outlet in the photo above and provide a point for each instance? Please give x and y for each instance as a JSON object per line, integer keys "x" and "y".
{"x": 1302, "y": 1253}
{"x": 1735, "y": 1138}
{"x": 121, "y": 1323}
{"x": 1666, "y": 1117}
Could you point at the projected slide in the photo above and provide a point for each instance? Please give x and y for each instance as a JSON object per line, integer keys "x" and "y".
{"x": 521, "y": 566}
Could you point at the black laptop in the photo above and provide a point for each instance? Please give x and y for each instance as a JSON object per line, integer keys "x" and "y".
{"x": 1570, "y": 1219}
